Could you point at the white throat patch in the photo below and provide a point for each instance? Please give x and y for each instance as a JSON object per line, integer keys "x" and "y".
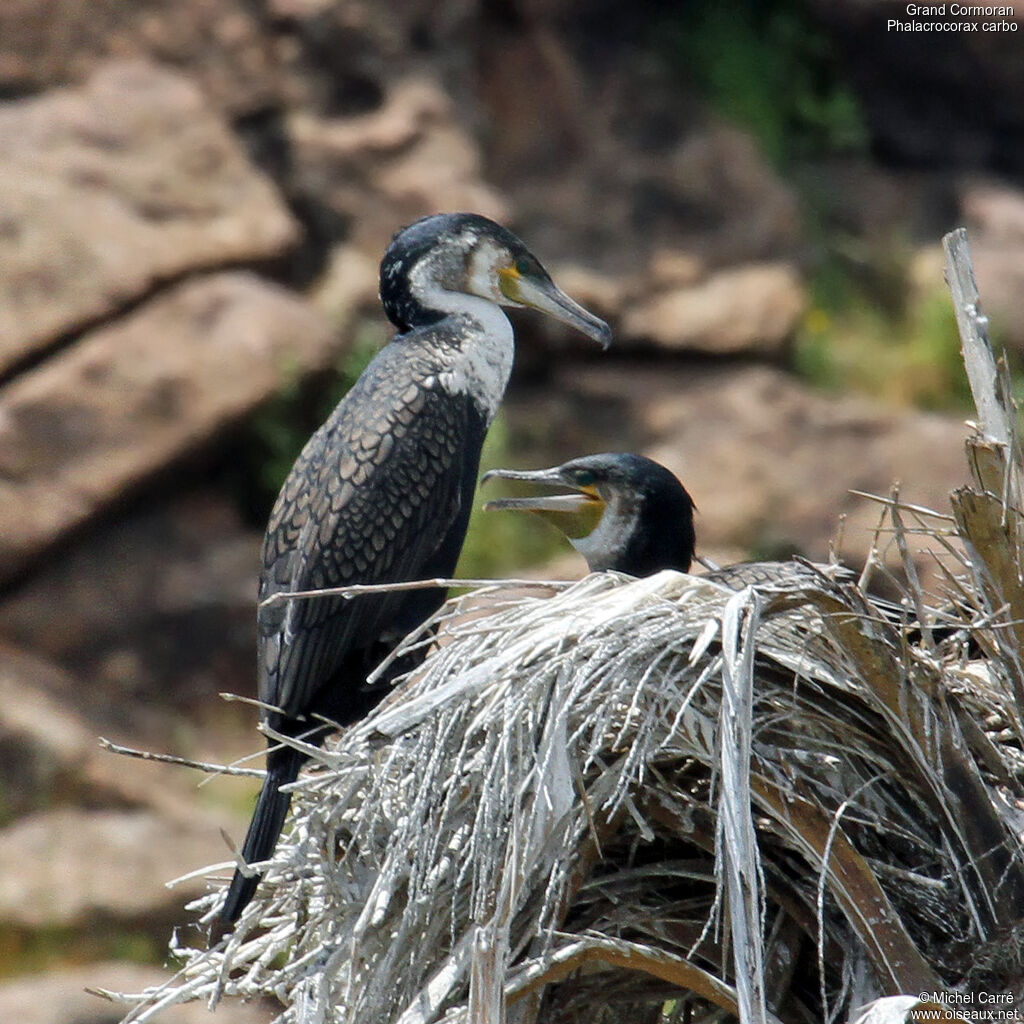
{"x": 483, "y": 346}
{"x": 483, "y": 363}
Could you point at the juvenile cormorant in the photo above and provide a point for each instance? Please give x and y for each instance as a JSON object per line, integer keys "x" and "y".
{"x": 382, "y": 491}
{"x": 629, "y": 513}
{"x": 626, "y": 512}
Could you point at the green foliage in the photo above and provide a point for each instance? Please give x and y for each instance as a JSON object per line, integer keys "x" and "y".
{"x": 769, "y": 69}
{"x": 498, "y": 543}
{"x": 23, "y": 951}
{"x": 910, "y": 355}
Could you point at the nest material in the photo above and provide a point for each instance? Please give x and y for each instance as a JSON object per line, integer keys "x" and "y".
{"x": 657, "y": 800}
{"x": 767, "y": 797}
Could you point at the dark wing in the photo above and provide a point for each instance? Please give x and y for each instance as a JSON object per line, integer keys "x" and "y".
{"x": 371, "y": 500}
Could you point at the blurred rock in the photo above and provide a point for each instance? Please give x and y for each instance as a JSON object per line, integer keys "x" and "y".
{"x": 994, "y": 216}
{"x": 349, "y": 282}
{"x": 221, "y": 44}
{"x": 386, "y": 168}
{"x": 769, "y": 462}
{"x": 995, "y": 211}
{"x": 112, "y": 187}
{"x": 605, "y": 295}
{"x": 723, "y": 200}
{"x": 671, "y": 268}
{"x": 341, "y": 56}
{"x": 877, "y": 209}
{"x": 748, "y": 310}
{"x": 537, "y": 95}
{"x": 157, "y": 612}
{"x": 77, "y": 867}
{"x": 710, "y": 195}
{"x": 83, "y": 428}
{"x": 607, "y": 153}
{"x": 50, "y": 754}
{"x": 47, "y": 752}
{"x": 61, "y": 997}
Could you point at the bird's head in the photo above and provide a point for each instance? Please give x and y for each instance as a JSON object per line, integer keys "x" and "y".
{"x": 432, "y": 262}
{"x": 622, "y": 511}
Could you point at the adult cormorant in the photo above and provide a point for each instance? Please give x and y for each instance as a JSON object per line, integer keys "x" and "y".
{"x": 625, "y": 512}
{"x": 382, "y": 491}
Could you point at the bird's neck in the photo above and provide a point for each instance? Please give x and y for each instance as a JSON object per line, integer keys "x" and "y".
{"x": 605, "y": 544}
{"x": 477, "y": 347}
{"x": 637, "y": 538}
{"x": 470, "y": 338}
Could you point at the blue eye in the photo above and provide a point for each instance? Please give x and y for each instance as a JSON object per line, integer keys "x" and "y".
{"x": 584, "y": 477}
{"x": 524, "y": 266}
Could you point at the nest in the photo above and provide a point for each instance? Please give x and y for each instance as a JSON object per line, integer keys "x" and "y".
{"x": 664, "y": 799}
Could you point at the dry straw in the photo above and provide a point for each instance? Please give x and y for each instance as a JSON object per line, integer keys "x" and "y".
{"x": 666, "y": 800}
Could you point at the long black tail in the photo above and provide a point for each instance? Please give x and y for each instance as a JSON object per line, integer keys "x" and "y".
{"x": 283, "y": 766}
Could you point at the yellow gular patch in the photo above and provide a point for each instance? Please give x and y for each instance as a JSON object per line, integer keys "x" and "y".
{"x": 508, "y": 282}
{"x": 580, "y": 522}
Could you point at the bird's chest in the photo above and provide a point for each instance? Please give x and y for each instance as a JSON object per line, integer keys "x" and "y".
{"x": 480, "y": 362}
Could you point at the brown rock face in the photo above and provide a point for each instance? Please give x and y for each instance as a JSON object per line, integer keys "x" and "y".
{"x": 126, "y": 400}
{"x": 64, "y": 883}
{"x": 385, "y": 168}
{"x": 110, "y": 188}
{"x": 50, "y": 755}
{"x": 157, "y": 612}
{"x": 60, "y": 997}
{"x": 220, "y": 43}
{"x": 47, "y": 752}
{"x": 749, "y": 309}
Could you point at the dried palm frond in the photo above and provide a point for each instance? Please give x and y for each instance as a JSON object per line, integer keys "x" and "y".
{"x": 662, "y": 799}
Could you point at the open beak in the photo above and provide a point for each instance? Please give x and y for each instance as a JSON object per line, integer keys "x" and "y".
{"x": 575, "y": 514}
{"x": 544, "y": 295}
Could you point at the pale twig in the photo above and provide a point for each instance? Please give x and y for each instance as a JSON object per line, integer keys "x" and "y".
{"x": 905, "y": 506}
{"x": 910, "y": 569}
{"x": 979, "y": 359}
{"x": 237, "y": 698}
{"x": 185, "y": 762}
{"x": 873, "y": 561}
{"x": 359, "y": 589}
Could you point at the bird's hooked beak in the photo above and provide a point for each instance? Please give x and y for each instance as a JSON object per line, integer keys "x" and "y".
{"x": 541, "y": 293}
{"x": 575, "y": 514}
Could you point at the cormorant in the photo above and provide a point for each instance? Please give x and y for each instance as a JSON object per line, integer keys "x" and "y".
{"x": 629, "y": 513}
{"x": 382, "y": 491}
{"x": 626, "y": 512}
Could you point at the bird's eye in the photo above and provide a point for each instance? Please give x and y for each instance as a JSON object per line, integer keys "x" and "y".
{"x": 583, "y": 477}
{"x": 524, "y": 266}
